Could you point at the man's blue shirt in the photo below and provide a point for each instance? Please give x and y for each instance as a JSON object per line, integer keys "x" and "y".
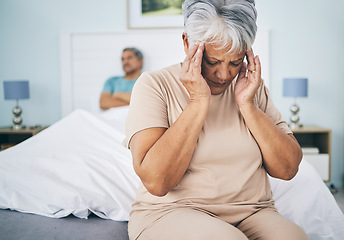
{"x": 118, "y": 84}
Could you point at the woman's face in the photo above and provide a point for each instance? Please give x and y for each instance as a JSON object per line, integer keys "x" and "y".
{"x": 219, "y": 68}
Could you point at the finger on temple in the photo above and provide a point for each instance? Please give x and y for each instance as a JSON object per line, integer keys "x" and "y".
{"x": 258, "y": 66}
{"x": 189, "y": 56}
{"x": 193, "y": 51}
{"x": 250, "y": 59}
{"x": 242, "y": 72}
{"x": 198, "y": 57}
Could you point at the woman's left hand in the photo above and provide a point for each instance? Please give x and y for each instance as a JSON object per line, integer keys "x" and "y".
{"x": 248, "y": 80}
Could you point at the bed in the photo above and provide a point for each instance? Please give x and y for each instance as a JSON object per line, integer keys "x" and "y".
{"x": 75, "y": 180}
{"x": 78, "y": 169}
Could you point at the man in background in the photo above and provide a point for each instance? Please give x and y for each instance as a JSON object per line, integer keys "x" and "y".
{"x": 117, "y": 90}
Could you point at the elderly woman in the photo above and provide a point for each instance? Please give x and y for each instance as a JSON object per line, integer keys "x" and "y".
{"x": 204, "y": 134}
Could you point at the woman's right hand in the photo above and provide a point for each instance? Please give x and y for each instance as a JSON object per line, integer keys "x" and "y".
{"x": 191, "y": 75}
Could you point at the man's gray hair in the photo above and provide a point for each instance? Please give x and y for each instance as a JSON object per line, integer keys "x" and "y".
{"x": 137, "y": 52}
{"x": 227, "y": 23}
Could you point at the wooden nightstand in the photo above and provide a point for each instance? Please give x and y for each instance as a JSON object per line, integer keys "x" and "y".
{"x": 316, "y": 143}
{"x": 10, "y": 137}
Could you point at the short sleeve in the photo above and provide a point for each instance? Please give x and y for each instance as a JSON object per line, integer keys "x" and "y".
{"x": 147, "y": 106}
{"x": 109, "y": 86}
{"x": 267, "y": 106}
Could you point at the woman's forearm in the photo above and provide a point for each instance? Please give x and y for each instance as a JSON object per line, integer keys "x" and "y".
{"x": 167, "y": 160}
{"x": 161, "y": 157}
{"x": 281, "y": 152}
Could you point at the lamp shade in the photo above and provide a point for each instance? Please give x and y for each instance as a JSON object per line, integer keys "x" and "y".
{"x": 16, "y": 90}
{"x": 295, "y": 87}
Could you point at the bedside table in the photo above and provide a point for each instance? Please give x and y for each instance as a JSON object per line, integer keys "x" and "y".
{"x": 10, "y": 137}
{"x": 316, "y": 144}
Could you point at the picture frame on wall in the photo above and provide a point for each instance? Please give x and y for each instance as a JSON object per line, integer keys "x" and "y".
{"x": 151, "y": 14}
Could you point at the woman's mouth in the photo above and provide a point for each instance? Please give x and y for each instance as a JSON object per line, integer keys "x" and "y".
{"x": 217, "y": 83}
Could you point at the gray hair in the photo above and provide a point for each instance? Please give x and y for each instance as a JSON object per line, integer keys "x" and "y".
{"x": 137, "y": 52}
{"x": 227, "y": 23}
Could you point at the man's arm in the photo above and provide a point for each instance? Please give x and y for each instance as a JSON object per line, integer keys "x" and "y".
{"x": 108, "y": 100}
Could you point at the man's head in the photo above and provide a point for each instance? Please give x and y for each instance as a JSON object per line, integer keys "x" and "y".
{"x": 132, "y": 61}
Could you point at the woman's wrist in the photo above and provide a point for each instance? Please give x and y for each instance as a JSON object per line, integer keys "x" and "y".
{"x": 200, "y": 102}
{"x": 247, "y": 108}
{"x": 199, "y": 107}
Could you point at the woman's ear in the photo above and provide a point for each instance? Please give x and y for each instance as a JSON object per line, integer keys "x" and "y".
{"x": 185, "y": 43}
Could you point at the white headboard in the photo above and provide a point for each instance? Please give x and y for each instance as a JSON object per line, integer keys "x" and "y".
{"x": 88, "y": 59}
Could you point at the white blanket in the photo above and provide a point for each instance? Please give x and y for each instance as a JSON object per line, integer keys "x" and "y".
{"x": 75, "y": 166}
{"x": 79, "y": 165}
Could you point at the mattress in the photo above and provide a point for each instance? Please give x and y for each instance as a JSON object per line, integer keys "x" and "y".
{"x": 16, "y": 226}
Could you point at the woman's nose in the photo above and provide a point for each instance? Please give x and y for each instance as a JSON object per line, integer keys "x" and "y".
{"x": 223, "y": 73}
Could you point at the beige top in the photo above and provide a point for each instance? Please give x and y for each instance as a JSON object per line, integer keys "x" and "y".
{"x": 225, "y": 175}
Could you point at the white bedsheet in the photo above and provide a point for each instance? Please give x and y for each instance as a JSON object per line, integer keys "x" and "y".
{"x": 79, "y": 165}
{"x": 76, "y": 166}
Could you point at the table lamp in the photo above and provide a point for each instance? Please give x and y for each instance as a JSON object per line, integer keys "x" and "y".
{"x": 15, "y": 90}
{"x": 295, "y": 87}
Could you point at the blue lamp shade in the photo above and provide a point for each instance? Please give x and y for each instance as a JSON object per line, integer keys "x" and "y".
{"x": 295, "y": 87}
{"x": 16, "y": 90}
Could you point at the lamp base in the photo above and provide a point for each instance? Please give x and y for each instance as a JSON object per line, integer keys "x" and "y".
{"x": 294, "y": 118}
{"x": 17, "y": 127}
{"x": 17, "y": 119}
{"x": 295, "y": 126}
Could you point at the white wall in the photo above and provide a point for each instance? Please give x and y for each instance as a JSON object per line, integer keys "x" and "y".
{"x": 29, "y": 47}
{"x": 306, "y": 41}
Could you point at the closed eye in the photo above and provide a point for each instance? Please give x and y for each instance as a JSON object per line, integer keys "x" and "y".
{"x": 235, "y": 64}
{"x": 211, "y": 62}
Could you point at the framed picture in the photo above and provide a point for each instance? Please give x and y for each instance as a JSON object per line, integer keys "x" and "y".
{"x": 154, "y": 14}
